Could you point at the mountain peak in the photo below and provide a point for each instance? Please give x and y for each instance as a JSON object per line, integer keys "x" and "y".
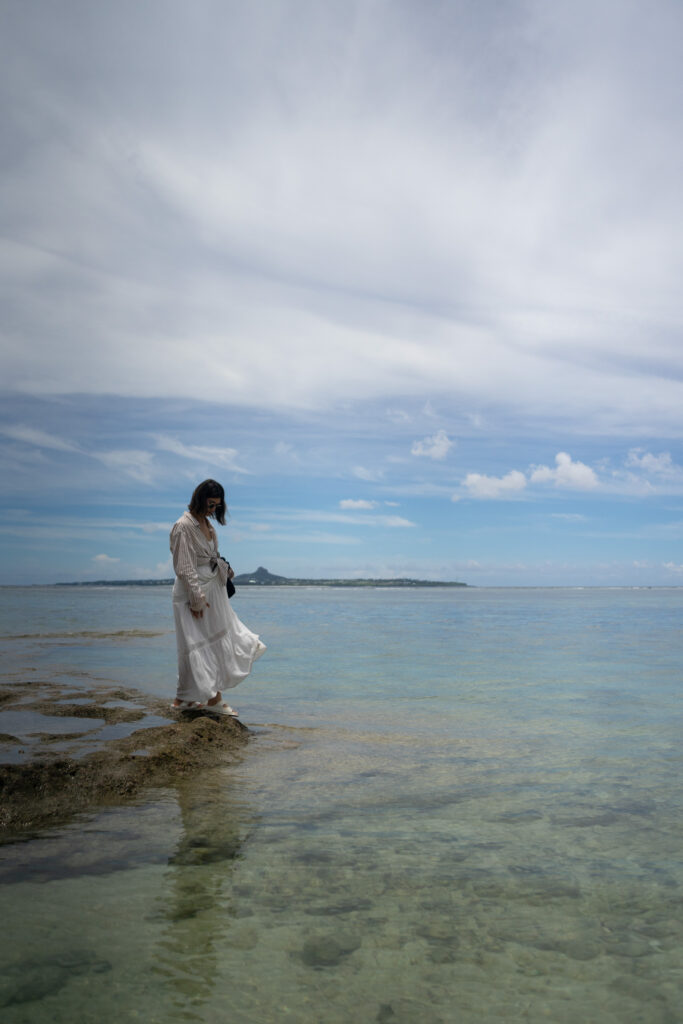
{"x": 260, "y": 576}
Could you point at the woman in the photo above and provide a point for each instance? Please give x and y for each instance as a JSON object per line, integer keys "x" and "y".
{"x": 215, "y": 650}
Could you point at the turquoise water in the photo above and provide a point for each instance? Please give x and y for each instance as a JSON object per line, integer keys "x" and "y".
{"x": 458, "y": 806}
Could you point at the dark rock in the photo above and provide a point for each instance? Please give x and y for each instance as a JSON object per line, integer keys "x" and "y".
{"x": 327, "y": 950}
{"x": 518, "y": 817}
{"x": 28, "y": 981}
{"x": 344, "y": 907}
{"x": 33, "y": 984}
{"x": 588, "y": 820}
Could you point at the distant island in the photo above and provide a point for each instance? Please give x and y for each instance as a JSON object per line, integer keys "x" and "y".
{"x": 263, "y": 578}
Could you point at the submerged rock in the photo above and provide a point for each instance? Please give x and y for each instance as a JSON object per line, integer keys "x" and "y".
{"x": 518, "y": 817}
{"x": 633, "y": 946}
{"x": 28, "y": 981}
{"x": 327, "y": 950}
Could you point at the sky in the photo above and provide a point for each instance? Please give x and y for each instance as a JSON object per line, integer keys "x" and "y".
{"x": 403, "y": 275}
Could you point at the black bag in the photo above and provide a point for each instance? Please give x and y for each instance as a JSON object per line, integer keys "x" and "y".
{"x": 229, "y": 586}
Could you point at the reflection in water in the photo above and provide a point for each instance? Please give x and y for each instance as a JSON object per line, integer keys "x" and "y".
{"x": 195, "y": 898}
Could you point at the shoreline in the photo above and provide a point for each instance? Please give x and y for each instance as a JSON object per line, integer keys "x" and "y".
{"x": 63, "y": 766}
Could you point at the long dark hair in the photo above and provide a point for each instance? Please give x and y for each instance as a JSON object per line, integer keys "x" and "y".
{"x": 204, "y": 491}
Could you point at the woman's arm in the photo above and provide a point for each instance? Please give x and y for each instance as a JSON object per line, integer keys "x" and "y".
{"x": 185, "y": 566}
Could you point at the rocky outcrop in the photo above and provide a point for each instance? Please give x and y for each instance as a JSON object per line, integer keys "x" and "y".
{"x": 40, "y": 787}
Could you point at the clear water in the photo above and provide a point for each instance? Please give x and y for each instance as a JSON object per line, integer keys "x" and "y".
{"x": 459, "y": 806}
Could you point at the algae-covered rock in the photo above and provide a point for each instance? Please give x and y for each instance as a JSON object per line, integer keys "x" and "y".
{"x": 51, "y": 786}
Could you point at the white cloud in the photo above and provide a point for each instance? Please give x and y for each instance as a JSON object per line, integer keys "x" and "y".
{"x": 435, "y": 447}
{"x": 673, "y": 567}
{"x": 645, "y": 474}
{"x": 357, "y": 503}
{"x": 105, "y": 560}
{"x": 39, "y": 438}
{"x": 137, "y": 464}
{"x": 399, "y": 416}
{"x": 430, "y": 242}
{"x": 394, "y": 521}
{"x": 363, "y": 517}
{"x": 284, "y": 450}
{"x": 574, "y": 475}
{"x": 152, "y": 527}
{"x": 370, "y": 475}
{"x": 658, "y": 465}
{"x": 319, "y": 537}
{"x": 481, "y": 486}
{"x": 203, "y": 454}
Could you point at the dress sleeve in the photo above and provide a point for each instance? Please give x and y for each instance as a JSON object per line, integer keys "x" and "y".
{"x": 185, "y": 566}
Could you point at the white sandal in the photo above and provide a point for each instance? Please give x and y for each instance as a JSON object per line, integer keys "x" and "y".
{"x": 187, "y": 705}
{"x": 221, "y": 708}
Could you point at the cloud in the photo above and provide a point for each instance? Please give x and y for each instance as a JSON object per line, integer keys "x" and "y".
{"x": 357, "y": 503}
{"x": 645, "y": 474}
{"x": 397, "y": 218}
{"x": 574, "y": 475}
{"x": 318, "y": 537}
{"x": 657, "y": 465}
{"x": 363, "y": 518}
{"x": 481, "y": 486}
{"x": 399, "y": 416}
{"x": 38, "y": 438}
{"x": 202, "y": 454}
{"x": 152, "y": 527}
{"x": 435, "y": 447}
{"x": 105, "y": 560}
{"x": 137, "y": 464}
{"x": 394, "y": 521}
{"x": 370, "y": 475}
{"x": 284, "y": 450}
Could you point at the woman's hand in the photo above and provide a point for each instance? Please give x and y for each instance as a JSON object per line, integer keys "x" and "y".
{"x": 199, "y": 614}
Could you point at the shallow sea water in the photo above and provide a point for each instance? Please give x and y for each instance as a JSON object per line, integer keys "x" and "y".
{"x": 458, "y": 806}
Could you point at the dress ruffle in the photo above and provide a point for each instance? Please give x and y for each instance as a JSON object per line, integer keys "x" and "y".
{"x": 215, "y": 652}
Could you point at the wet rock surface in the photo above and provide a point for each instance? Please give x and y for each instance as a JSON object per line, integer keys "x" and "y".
{"x": 44, "y": 786}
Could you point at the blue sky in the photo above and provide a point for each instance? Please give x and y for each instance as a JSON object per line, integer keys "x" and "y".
{"x": 404, "y": 276}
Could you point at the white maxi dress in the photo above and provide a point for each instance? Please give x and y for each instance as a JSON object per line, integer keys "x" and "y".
{"x": 215, "y": 652}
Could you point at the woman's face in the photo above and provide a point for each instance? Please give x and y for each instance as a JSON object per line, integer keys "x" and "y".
{"x": 211, "y": 505}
